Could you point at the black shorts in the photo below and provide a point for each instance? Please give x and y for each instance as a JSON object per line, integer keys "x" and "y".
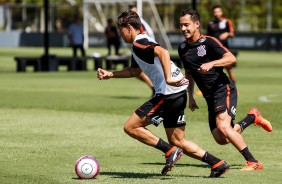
{"x": 224, "y": 98}
{"x": 168, "y": 109}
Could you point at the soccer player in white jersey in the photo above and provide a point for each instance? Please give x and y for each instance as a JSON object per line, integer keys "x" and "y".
{"x": 169, "y": 102}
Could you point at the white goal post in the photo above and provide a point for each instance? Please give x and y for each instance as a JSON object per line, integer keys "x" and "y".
{"x": 97, "y": 3}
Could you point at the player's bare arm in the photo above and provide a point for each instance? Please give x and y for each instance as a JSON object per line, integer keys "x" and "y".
{"x": 227, "y": 59}
{"x": 192, "y": 103}
{"x": 226, "y": 35}
{"x": 164, "y": 57}
{"x": 125, "y": 73}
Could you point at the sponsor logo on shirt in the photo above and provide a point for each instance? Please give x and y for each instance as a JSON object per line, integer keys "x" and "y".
{"x": 202, "y": 40}
{"x": 201, "y": 50}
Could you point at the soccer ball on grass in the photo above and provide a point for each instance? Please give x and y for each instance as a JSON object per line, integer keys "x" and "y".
{"x": 87, "y": 167}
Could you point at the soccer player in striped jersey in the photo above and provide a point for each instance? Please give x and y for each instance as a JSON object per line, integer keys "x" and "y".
{"x": 169, "y": 102}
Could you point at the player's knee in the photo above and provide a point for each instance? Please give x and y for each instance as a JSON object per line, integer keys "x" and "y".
{"x": 175, "y": 142}
{"x": 223, "y": 128}
{"x": 127, "y": 129}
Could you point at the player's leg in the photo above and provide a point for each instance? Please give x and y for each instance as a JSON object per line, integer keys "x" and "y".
{"x": 174, "y": 123}
{"x": 145, "y": 115}
{"x": 74, "y": 50}
{"x": 109, "y": 47}
{"x": 82, "y": 50}
{"x": 224, "y": 132}
{"x": 222, "y": 110}
{"x": 117, "y": 46}
{"x": 176, "y": 136}
{"x": 135, "y": 128}
{"x": 224, "y": 129}
{"x": 253, "y": 117}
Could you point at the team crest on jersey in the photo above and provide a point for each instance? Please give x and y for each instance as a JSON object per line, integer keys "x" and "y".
{"x": 201, "y": 50}
{"x": 182, "y": 45}
{"x": 202, "y": 40}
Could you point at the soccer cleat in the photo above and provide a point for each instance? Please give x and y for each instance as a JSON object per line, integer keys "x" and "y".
{"x": 171, "y": 157}
{"x": 252, "y": 166}
{"x": 219, "y": 169}
{"x": 259, "y": 120}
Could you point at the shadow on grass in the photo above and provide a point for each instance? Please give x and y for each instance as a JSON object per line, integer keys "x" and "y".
{"x": 77, "y": 178}
{"x": 144, "y": 175}
{"x": 134, "y": 175}
{"x": 232, "y": 166}
{"x": 180, "y": 165}
{"x": 128, "y": 97}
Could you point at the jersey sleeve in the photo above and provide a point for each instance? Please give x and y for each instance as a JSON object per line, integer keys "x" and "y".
{"x": 230, "y": 26}
{"x": 144, "y": 49}
{"x": 134, "y": 63}
{"x": 216, "y": 46}
{"x": 145, "y": 44}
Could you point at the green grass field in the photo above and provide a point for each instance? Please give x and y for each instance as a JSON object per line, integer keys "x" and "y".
{"x": 49, "y": 120}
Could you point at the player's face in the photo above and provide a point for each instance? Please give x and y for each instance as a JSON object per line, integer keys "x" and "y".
{"x": 125, "y": 34}
{"x": 188, "y": 27}
{"x": 217, "y": 13}
{"x": 134, "y": 9}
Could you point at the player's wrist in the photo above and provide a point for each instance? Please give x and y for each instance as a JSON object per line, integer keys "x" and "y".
{"x": 111, "y": 75}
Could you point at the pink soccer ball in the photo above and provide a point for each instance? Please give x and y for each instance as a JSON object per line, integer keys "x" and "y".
{"x": 87, "y": 167}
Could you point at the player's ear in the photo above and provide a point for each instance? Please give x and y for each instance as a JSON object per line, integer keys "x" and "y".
{"x": 198, "y": 24}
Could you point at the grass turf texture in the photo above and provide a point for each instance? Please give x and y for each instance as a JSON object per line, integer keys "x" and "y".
{"x": 49, "y": 120}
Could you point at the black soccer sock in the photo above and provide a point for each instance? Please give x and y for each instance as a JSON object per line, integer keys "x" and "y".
{"x": 247, "y": 155}
{"x": 163, "y": 146}
{"x": 210, "y": 159}
{"x": 248, "y": 120}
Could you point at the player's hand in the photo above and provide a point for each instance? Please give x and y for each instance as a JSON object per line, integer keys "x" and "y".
{"x": 178, "y": 83}
{"x": 192, "y": 104}
{"x": 103, "y": 74}
{"x": 204, "y": 68}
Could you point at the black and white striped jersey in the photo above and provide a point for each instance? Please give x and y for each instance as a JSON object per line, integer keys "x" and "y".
{"x": 143, "y": 57}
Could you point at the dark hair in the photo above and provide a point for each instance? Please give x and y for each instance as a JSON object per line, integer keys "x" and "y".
{"x": 131, "y": 6}
{"x": 215, "y": 7}
{"x": 195, "y": 16}
{"x": 129, "y": 17}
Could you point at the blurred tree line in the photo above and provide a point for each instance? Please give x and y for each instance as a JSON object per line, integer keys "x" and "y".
{"x": 247, "y": 15}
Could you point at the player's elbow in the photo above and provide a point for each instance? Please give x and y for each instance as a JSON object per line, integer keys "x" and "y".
{"x": 232, "y": 59}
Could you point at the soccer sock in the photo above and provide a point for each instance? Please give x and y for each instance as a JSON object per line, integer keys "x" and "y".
{"x": 210, "y": 159}
{"x": 163, "y": 146}
{"x": 247, "y": 154}
{"x": 244, "y": 123}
